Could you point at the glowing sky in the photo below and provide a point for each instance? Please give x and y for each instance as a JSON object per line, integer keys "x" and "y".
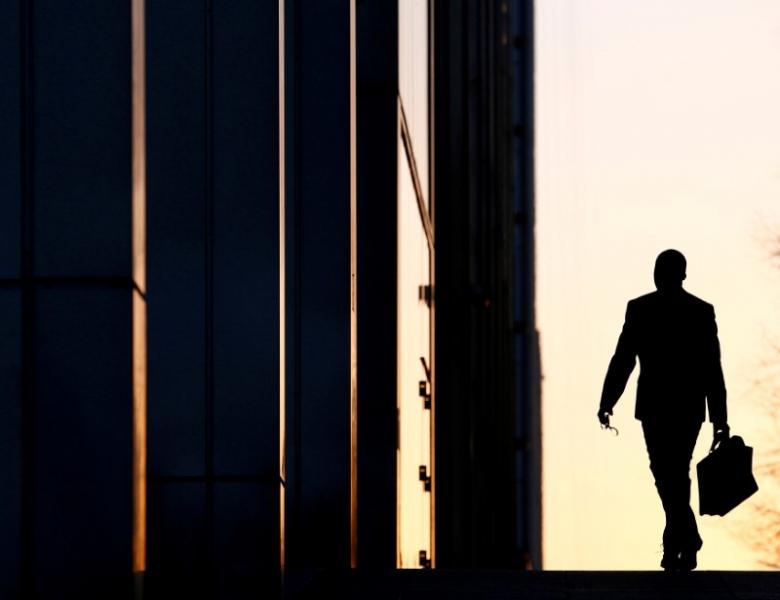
{"x": 658, "y": 126}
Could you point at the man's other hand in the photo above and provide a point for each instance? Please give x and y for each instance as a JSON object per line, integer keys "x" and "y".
{"x": 720, "y": 433}
{"x": 603, "y": 416}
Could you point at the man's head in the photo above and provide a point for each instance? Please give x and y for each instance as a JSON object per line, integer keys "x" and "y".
{"x": 669, "y": 270}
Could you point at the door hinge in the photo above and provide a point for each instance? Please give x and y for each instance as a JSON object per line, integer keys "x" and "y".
{"x": 425, "y": 294}
{"x": 425, "y": 394}
{"x": 425, "y": 477}
{"x": 425, "y": 562}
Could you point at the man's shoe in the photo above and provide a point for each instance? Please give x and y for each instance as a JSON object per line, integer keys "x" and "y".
{"x": 687, "y": 560}
{"x": 671, "y": 561}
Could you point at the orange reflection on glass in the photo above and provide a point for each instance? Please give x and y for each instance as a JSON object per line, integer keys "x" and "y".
{"x": 139, "y": 432}
{"x": 139, "y": 278}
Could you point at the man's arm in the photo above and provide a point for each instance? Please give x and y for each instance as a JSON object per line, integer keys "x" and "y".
{"x": 715, "y": 384}
{"x": 620, "y": 366}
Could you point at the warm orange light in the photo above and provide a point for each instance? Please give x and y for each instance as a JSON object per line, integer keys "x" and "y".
{"x": 628, "y": 165}
{"x": 353, "y": 454}
{"x": 139, "y": 279}
{"x": 282, "y": 299}
{"x": 139, "y": 433}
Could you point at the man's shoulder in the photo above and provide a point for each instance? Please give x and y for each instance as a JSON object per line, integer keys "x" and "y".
{"x": 644, "y": 300}
{"x": 698, "y": 304}
{"x": 647, "y": 301}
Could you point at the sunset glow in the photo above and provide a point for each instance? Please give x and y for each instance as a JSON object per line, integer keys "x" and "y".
{"x": 657, "y": 127}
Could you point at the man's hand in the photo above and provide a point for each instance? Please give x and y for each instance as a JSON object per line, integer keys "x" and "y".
{"x": 720, "y": 433}
{"x": 603, "y": 416}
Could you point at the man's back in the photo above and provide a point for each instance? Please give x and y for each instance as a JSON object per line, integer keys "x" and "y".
{"x": 676, "y": 342}
{"x": 674, "y": 335}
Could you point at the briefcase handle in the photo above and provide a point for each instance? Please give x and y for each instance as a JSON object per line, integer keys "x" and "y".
{"x": 733, "y": 440}
{"x": 719, "y": 440}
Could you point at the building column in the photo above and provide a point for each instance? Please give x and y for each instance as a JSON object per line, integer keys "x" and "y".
{"x": 321, "y": 420}
{"x": 487, "y": 410}
{"x": 377, "y": 237}
{"x": 67, "y": 288}
{"x": 214, "y": 358}
{"x": 527, "y": 382}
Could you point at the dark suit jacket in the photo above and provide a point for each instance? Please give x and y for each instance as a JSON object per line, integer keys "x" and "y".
{"x": 676, "y": 339}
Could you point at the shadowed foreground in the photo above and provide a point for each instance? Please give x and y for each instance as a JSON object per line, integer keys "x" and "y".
{"x": 547, "y": 585}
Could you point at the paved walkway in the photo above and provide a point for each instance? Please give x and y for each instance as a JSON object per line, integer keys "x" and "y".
{"x": 542, "y": 585}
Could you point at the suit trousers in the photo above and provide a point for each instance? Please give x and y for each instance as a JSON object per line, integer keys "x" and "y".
{"x": 670, "y": 447}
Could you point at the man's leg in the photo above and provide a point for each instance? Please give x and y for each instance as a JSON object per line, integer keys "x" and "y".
{"x": 659, "y": 452}
{"x": 690, "y": 541}
{"x": 669, "y": 447}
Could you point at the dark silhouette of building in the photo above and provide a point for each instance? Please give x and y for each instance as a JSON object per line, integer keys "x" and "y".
{"x": 266, "y": 300}
{"x": 488, "y": 425}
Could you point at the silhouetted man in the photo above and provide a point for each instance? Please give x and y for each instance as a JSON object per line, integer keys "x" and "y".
{"x": 676, "y": 339}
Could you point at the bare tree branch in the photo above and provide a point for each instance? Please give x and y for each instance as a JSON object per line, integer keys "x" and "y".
{"x": 764, "y": 533}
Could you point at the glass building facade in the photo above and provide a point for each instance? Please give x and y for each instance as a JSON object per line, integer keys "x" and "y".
{"x": 266, "y": 296}
{"x": 415, "y": 244}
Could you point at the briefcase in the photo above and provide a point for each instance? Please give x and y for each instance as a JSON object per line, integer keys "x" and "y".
{"x": 725, "y": 477}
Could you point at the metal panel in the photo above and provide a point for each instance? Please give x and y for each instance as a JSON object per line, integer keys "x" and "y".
{"x": 82, "y": 169}
{"x": 10, "y": 119}
{"x": 10, "y": 440}
{"x": 177, "y": 542}
{"x": 377, "y": 149}
{"x": 246, "y": 539}
{"x": 246, "y": 238}
{"x": 320, "y": 530}
{"x": 83, "y": 433}
{"x": 175, "y": 237}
